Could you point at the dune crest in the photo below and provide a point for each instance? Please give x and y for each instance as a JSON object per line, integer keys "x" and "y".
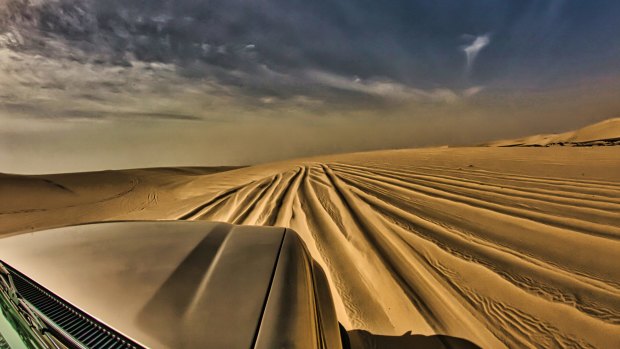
{"x": 604, "y": 133}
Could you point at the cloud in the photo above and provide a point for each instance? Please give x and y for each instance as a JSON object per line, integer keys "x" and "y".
{"x": 391, "y": 90}
{"x": 364, "y": 54}
{"x": 473, "y": 49}
{"x": 472, "y": 91}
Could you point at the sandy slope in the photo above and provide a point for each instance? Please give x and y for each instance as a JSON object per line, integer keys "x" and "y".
{"x": 606, "y": 132}
{"x": 32, "y": 202}
{"x": 502, "y": 247}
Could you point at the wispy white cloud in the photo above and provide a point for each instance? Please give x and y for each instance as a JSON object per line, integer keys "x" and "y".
{"x": 70, "y": 90}
{"x": 389, "y": 89}
{"x": 472, "y": 91}
{"x": 473, "y": 49}
{"x": 381, "y": 88}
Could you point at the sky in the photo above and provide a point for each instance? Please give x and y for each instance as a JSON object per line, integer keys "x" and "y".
{"x": 109, "y": 84}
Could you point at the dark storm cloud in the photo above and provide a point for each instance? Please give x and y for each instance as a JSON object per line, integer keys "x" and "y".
{"x": 271, "y": 47}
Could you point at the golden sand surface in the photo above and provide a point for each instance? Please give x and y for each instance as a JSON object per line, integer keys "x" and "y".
{"x": 502, "y": 247}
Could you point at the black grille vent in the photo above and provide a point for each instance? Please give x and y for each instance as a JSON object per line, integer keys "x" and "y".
{"x": 83, "y": 328}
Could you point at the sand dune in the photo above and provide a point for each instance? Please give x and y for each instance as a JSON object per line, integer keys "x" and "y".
{"x": 606, "y": 132}
{"x": 501, "y": 247}
{"x": 32, "y": 202}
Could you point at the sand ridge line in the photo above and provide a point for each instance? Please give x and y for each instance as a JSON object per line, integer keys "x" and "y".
{"x": 492, "y": 256}
{"x": 611, "y": 203}
{"x": 576, "y": 210}
{"x": 544, "y": 180}
{"x": 525, "y": 213}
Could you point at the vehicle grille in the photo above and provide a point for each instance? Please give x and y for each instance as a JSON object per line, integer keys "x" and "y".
{"x": 83, "y": 328}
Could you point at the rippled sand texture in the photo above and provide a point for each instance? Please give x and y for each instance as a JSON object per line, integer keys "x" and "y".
{"x": 503, "y": 259}
{"x": 504, "y": 247}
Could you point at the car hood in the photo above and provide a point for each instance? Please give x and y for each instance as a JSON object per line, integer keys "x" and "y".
{"x": 162, "y": 284}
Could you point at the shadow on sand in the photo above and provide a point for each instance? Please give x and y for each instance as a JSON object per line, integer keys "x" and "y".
{"x": 360, "y": 339}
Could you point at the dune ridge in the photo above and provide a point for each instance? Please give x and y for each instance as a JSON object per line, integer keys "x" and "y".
{"x": 604, "y": 133}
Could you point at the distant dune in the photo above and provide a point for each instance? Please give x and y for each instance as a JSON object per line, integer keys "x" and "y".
{"x": 600, "y": 134}
{"x": 499, "y": 247}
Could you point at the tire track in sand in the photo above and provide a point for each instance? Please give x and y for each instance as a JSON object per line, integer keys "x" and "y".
{"x": 462, "y": 252}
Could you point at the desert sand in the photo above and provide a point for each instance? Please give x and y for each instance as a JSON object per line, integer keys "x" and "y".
{"x": 603, "y": 133}
{"x": 514, "y": 247}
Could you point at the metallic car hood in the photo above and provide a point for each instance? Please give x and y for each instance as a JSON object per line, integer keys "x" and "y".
{"x": 163, "y": 284}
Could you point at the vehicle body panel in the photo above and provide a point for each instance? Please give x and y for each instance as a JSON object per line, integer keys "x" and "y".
{"x": 185, "y": 284}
